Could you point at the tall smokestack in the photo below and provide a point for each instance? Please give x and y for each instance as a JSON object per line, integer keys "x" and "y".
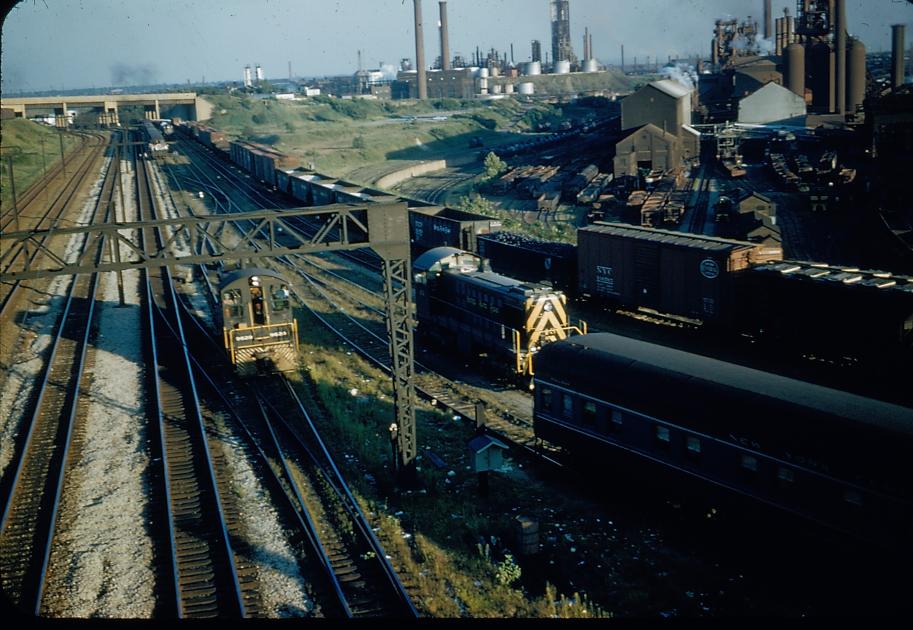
{"x": 840, "y": 67}
{"x": 897, "y": 50}
{"x": 622, "y": 58}
{"x": 420, "y": 52}
{"x": 445, "y": 38}
{"x": 768, "y": 16}
{"x": 779, "y": 25}
{"x": 592, "y": 54}
{"x": 586, "y": 43}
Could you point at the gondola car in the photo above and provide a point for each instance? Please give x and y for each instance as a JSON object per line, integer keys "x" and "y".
{"x": 259, "y": 328}
{"x": 835, "y": 458}
{"x": 463, "y": 305}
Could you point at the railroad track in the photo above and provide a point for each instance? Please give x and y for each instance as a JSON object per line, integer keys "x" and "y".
{"x": 356, "y": 566}
{"x": 372, "y": 343}
{"x": 31, "y": 506}
{"x": 206, "y": 580}
{"x": 35, "y": 216}
{"x": 354, "y": 563}
{"x": 26, "y": 202}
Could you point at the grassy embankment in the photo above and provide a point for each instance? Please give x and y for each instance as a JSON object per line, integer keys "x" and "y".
{"x": 340, "y": 136}
{"x": 456, "y": 547}
{"x": 22, "y": 139}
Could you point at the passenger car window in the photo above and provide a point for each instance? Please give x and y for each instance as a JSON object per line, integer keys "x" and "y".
{"x": 568, "y": 406}
{"x": 589, "y": 414}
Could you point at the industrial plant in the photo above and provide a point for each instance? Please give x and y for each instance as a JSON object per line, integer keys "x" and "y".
{"x": 499, "y": 322}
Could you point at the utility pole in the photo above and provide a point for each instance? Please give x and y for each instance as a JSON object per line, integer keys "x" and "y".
{"x": 63, "y": 157}
{"x": 13, "y": 191}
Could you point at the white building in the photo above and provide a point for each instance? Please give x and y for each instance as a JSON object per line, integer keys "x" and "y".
{"x": 772, "y": 104}
{"x": 247, "y": 77}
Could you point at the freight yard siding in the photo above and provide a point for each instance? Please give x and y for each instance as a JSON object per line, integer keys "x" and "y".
{"x": 666, "y": 271}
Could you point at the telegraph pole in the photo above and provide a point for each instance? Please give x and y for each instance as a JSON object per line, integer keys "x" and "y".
{"x": 63, "y": 157}
{"x": 13, "y": 191}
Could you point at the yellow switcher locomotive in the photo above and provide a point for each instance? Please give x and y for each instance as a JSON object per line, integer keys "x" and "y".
{"x": 258, "y": 325}
{"x": 462, "y": 304}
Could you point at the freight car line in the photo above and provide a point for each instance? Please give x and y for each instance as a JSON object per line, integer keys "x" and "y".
{"x": 206, "y": 581}
{"x": 380, "y": 347}
{"x": 31, "y": 508}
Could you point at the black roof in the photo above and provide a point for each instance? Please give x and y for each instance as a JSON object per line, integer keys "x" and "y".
{"x": 599, "y": 354}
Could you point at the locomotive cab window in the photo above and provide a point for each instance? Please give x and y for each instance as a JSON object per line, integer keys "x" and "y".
{"x": 231, "y": 301}
{"x": 280, "y": 298}
{"x": 256, "y": 302}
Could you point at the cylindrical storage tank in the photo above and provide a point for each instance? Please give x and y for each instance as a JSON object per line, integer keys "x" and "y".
{"x": 533, "y": 68}
{"x": 496, "y": 88}
{"x": 509, "y": 88}
{"x": 483, "y": 72}
{"x": 563, "y": 67}
{"x": 855, "y": 80}
{"x": 527, "y": 89}
{"x": 795, "y": 69}
{"x": 590, "y": 65}
{"x": 483, "y": 84}
{"x": 495, "y": 72}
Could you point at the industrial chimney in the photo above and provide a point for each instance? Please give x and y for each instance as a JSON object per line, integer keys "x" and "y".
{"x": 897, "y": 50}
{"x": 445, "y": 38}
{"x": 420, "y": 53}
{"x": 768, "y": 16}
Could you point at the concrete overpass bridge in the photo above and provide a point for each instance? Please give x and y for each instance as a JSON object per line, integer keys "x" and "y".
{"x": 107, "y": 105}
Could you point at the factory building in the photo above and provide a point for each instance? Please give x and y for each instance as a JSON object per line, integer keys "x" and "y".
{"x": 772, "y": 104}
{"x": 647, "y": 147}
{"x": 657, "y": 121}
{"x": 666, "y": 104}
{"x": 751, "y": 74}
{"x": 455, "y": 83}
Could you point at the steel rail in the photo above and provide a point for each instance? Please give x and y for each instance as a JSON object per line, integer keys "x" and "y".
{"x": 31, "y": 508}
{"x": 205, "y": 576}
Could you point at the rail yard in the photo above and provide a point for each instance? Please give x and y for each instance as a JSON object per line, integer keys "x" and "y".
{"x": 582, "y": 352}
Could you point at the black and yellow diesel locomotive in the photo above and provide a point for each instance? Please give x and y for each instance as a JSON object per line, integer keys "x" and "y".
{"x": 462, "y": 304}
{"x": 258, "y": 324}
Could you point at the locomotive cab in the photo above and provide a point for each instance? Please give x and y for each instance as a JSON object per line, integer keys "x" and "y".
{"x": 259, "y": 328}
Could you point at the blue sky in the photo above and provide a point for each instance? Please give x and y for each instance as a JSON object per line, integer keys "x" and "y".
{"x": 68, "y": 44}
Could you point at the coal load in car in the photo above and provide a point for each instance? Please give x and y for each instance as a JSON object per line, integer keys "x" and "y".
{"x": 531, "y": 259}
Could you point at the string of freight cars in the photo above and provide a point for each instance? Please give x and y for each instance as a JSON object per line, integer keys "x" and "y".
{"x": 736, "y": 286}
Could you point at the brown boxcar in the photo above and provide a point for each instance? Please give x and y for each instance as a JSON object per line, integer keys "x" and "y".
{"x": 670, "y": 272}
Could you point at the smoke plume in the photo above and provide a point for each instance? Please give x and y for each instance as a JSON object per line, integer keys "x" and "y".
{"x": 683, "y": 73}
{"x": 123, "y": 74}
